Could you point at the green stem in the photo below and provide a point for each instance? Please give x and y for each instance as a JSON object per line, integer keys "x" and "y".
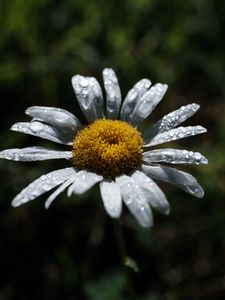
{"x": 123, "y": 257}
{"x": 120, "y": 241}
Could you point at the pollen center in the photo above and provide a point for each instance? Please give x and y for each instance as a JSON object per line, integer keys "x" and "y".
{"x": 108, "y": 147}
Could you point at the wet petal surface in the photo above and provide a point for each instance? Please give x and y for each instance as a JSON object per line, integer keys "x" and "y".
{"x": 42, "y": 185}
{"x": 57, "y": 117}
{"x": 83, "y": 181}
{"x": 132, "y": 98}
{"x": 135, "y": 200}
{"x": 147, "y": 103}
{"x": 174, "y": 156}
{"x": 111, "y": 197}
{"x": 89, "y": 96}
{"x": 152, "y": 192}
{"x": 180, "y": 179}
{"x": 43, "y": 131}
{"x": 58, "y": 191}
{"x": 175, "y": 134}
{"x": 34, "y": 154}
{"x": 170, "y": 121}
{"x": 113, "y": 94}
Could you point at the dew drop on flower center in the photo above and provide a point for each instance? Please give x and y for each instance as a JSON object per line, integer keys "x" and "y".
{"x": 108, "y": 147}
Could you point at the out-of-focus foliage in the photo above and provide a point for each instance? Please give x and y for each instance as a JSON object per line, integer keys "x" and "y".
{"x": 71, "y": 251}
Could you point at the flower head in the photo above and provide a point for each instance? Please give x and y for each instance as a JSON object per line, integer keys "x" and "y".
{"x": 110, "y": 149}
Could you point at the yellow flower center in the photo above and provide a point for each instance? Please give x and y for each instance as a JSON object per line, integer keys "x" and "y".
{"x": 108, "y": 147}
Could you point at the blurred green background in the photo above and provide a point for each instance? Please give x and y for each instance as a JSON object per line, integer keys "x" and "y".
{"x": 71, "y": 251}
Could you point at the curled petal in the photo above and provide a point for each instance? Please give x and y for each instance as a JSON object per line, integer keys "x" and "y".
{"x": 147, "y": 103}
{"x": 89, "y": 96}
{"x": 132, "y": 98}
{"x": 43, "y": 131}
{"x": 57, "y": 117}
{"x": 180, "y": 179}
{"x": 152, "y": 192}
{"x": 42, "y": 185}
{"x": 135, "y": 200}
{"x": 175, "y": 134}
{"x": 174, "y": 156}
{"x": 83, "y": 181}
{"x": 34, "y": 154}
{"x": 113, "y": 94}
{"x": 111, "y": 197}
{"x": 170, "y": 121}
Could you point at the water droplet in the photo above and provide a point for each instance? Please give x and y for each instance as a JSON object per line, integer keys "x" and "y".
{"x": 16, "y": 156}
{"x": 147, "y": 83}
{"x": 105, "y": 72}
{"x": 112, "y": 94}
{"x": 129, "y": 200}
{"x": 85, "y": 92}
{"x": 36, "y": 126}
{"x": 83, "y": 82}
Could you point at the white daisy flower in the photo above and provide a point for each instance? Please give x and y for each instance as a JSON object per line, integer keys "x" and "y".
{"x": 110, "y": 149}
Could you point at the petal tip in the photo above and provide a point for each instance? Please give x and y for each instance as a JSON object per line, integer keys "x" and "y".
{"x": 75, "y": 78}
{"x": 167, "y": 212}
{"x": 106, "y": 71}
{"x": 195, "y": 106}
{"x": 200, "y": 195}
{"x": 115, "y": 215}
{"x": 204, "y": 160}
{"x": 47, "y": 205}
{"x": 147, "y": 224}
{"x": 14, "y": 127}
{"x": 15, "y": 203}
{"x": 28, "y": 111}
{"x": 202, "y": 129}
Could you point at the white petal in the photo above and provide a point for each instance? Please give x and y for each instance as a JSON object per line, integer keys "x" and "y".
{"x": 43, "y": 131}
{"x": 83, "y": 181}
{"x": 135, "y": 200}
{"x": 111, "y": 198}
{"x": 33, "y": 154}
{"x": 170, "y": 121}
{"x": 57, "y": 117}
{"x": 132, "y": 98}
{"x": 58, "y": 191}
{"x": 113, "y": 94}
{"x": 176, "y": 134}
{"x": 180, "y": 179}
{"x": 174, "y": 156}
{"x": 147, "y": 103}
{"x": 89, "y": 96}
{"x": 152, "y": 192}
{"x": 42, "y": 185}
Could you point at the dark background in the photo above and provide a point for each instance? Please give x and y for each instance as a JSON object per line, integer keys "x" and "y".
{"x": 72, "y": 251}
